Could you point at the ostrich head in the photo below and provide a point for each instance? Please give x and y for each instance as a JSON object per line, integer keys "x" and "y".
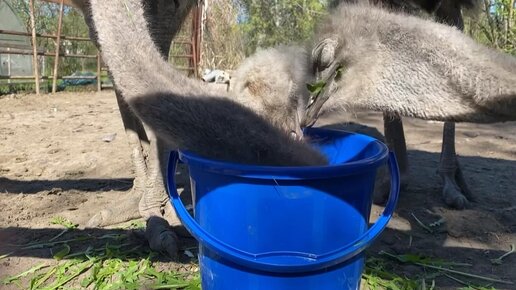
{"x": 270, "y": 82}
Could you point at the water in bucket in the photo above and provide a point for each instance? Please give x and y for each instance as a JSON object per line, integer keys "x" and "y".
{"x": 287, "y": 228}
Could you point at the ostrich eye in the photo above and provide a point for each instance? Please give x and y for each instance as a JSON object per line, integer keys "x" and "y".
{"x": 323, "y": 54}
{"x": 326, "y": 59}
{"x": 322, "y": 61}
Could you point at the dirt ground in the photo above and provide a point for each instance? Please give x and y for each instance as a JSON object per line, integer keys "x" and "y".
{"x": 67, "y": 155}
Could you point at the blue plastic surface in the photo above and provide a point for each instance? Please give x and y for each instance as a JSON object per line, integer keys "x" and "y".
{"x": 263, "y": 227}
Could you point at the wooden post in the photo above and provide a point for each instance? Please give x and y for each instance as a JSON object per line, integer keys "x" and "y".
{"x": 34, "y": 46}
{"x": 99, "y": 70}
{"x": 9, "y": 64}
{"x": 58, "y": 46}
{"x": 195, "y": 15}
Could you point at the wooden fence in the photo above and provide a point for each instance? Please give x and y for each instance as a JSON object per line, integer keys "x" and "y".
{"x": 192, "y": 43}
{"x": 57, "y": 54}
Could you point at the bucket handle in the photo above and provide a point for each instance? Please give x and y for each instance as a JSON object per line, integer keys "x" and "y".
{"x": 310, "y": 262}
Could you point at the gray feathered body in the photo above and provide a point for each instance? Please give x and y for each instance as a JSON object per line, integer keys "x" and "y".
{"x": 403, "y": 64}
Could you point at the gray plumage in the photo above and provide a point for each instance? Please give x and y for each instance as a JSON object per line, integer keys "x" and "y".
{"x": 270, "y": 82}
{"x": 180, "y": 110}
{"x": 406, "y": 65}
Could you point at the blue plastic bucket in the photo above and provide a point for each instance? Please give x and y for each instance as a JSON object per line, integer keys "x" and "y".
{"x": 268, "y": 228}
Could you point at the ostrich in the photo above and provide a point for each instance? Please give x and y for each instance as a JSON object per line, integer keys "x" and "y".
{"x": 182, "y": 113}
{"x": 455, "y": 189}
{"x": 148, "y": 198}
{"x": 368, "y": 58}
{"x": 273, "y": 81}
{"x": 270, "y": 81}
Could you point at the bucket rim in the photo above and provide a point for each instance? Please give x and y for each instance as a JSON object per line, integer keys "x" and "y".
{"x": 293, "y": 172}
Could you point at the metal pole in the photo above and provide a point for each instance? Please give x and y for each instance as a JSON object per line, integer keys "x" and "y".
{"x": 58, "y": 46}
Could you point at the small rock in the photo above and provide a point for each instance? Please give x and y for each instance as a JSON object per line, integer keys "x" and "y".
{"x": 189, "y": 254}
{"x": 54, "y": 151}
{"x": 54, "y": 191}
{"x": 109, "y": 138}
{"x": 471, "y": 134}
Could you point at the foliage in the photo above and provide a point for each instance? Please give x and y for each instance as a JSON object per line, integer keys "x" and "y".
{"x": 494, "y": 25}
{"x": 236, "y": 28}
{"x": 223, "y": 45}
{"x": 273, "y": 22}
{"x": 15, "y": 87}
{"x": 46, "y": 18}
{"x": 110, "y": 261}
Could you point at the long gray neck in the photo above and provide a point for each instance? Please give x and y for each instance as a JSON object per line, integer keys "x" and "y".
{"x": 162, "y": 28}
{"x": 181, "y": 110}
{"x": 128, "y": 49}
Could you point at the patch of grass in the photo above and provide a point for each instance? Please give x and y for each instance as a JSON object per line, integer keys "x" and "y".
{"x": 17, "y": 277}
{"x": 443, "y": 268}
{"x": 81, "y": 88}
{"x": 63, "y": 222}
{"x": 113, "y": 261}
{"x": 68, "y": 225}
{"x": 376, "y": 276}
{"x": 136, "y": 225}
{"x": 499, "y": 260}
{"x": 118, "y": 263}
{"x": 17, "y": 87}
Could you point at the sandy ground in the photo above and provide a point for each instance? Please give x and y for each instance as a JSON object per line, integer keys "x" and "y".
{"x": 67, "y": 155}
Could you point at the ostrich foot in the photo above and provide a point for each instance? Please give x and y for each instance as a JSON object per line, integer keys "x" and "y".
{"x": 158, "y": 233}
{"x": 153, "y": 206}
{"x": 118, "y": 211}
{"x": 161, "y": 237}
{"x": 456, "y": 192}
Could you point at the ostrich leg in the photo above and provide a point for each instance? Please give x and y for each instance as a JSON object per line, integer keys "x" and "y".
{"x": 148, "y": 196}
{"x": 395, "y": 138}
{"x": 127, "y": 208}
{"x": 455, "y": 190}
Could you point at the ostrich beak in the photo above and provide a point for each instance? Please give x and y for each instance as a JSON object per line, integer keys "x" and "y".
{"x": 296, "y": 133}
{"x": 325, "y": 85}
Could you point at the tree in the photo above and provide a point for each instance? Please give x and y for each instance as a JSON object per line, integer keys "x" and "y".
{"x": 223, "y": 45}
{"x": 271, "y": 22}
{"x": 495, "y": 25}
